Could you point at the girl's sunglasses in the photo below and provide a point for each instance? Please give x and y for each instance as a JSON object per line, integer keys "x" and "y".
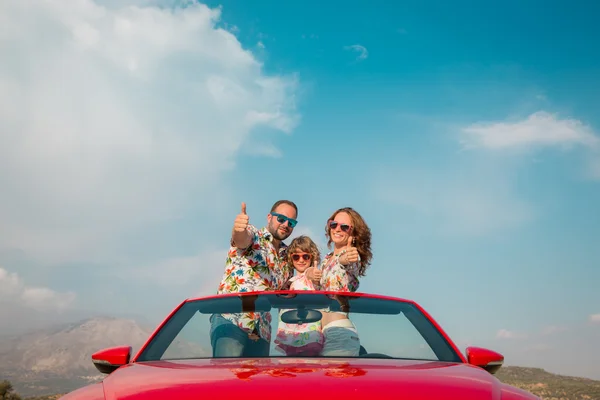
{"x": 296, "y": 257}
{"x": 282, "y": 218}
{"x": 343, "y": 227}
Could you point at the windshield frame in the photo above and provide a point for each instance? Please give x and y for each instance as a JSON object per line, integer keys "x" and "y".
{"x": 158, "y": 342}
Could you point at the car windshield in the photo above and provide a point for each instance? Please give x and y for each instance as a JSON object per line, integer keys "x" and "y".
{"x": 379, "y": 327}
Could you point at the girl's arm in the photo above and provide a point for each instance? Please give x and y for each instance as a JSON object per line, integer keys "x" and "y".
{"x": 314, "y": 275}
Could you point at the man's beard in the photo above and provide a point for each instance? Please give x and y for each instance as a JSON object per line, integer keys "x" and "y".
{"x": 277, "y": 235}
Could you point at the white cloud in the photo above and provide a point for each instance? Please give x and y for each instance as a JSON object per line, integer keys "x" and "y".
{"x": 202, "y": 272}
{"x": 552, "y": 329}
{"x": 13, "y": 289}
{"x": 9, "y": 283}
{"x": 506, "y": 334}
{"x": 115, "y": 116}
{"x": 259, "y": 149}
{"x": 538, "y": 347}
{"x": 469, "y": 202}
{"x": 595, "y": 318}
{"x": 362, "y": 51}
{"x": 539, "y": 129}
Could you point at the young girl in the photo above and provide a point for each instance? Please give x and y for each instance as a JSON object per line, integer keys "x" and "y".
{"x": 305, "y": 339}
{"x": 340, "y": 272}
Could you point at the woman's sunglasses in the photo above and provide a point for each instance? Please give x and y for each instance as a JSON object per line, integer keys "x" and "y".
{"x": 343, "y": 227}
{"x": 296, "y": 257}
{"x": 282, "y": 218}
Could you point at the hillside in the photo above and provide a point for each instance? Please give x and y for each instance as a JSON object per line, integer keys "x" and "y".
{"x": 57, "y": 360}
{"x": 550, "y": 386}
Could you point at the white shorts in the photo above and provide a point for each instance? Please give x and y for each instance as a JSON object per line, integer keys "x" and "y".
{"x": 341, "y": 339}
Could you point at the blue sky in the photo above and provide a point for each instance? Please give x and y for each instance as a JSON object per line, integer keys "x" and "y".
{"x": 466, "y": 135}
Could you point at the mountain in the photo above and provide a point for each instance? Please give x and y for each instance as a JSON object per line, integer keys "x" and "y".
{"x": 550, "y": 386}
{"x": 57, "y": 360}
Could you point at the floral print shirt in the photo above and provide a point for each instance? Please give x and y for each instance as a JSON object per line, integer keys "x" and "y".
{"x": 337, "y": 277}
{"x": 293, "y": 339}
{"x": 259, "y": 267}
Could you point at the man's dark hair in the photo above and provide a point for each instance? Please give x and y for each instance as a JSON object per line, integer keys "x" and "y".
{"x": 280, "y": 202}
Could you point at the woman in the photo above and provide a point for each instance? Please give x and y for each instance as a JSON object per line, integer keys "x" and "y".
{"x": 340, "y": 270}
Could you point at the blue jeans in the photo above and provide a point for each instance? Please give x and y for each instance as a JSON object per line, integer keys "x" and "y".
{"x": 229, "y": 340}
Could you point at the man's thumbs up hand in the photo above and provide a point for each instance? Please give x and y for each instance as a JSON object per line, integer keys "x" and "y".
{"x": 241, "y": 220}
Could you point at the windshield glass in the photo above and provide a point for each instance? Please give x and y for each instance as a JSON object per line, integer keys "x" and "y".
{"x": 300, "y": 325}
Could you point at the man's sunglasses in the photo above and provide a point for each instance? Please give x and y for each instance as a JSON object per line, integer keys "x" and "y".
{"x": 282, "y": 218}
{"x": 296, "y": 257}
{"x": 344, "y": 227}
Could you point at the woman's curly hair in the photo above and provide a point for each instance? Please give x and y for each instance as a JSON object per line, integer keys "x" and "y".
{"x": 361, "y": 234}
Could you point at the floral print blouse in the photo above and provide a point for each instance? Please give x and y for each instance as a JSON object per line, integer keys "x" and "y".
{"x": 305, "y": 339}
{"x": 338, "y": 277}
{"x": 259, "y": 267}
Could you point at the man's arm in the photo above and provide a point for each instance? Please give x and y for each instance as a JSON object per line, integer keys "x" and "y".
{"x": 241, "y": 237}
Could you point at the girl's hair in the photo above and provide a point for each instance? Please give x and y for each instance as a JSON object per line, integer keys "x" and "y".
{"x": 303, "y": 244}
{"x": 361, "y": 234}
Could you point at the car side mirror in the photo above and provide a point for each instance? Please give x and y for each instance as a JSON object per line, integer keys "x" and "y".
{"x": 484, "y": 358}
{"x": 108, "y": 360}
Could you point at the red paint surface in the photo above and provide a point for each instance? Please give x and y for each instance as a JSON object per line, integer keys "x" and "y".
{"x": 292, "y": 379}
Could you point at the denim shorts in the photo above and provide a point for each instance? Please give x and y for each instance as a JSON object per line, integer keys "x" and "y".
{"x": 341, "y": 339}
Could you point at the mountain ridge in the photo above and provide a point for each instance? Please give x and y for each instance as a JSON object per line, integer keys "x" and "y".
{"x": 58, "y": 358}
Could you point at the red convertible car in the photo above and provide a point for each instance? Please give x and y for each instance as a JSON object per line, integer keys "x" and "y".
{"x": 404, "y": 354}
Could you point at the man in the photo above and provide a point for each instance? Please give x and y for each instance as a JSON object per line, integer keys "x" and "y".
{"x": 255, "y": 262}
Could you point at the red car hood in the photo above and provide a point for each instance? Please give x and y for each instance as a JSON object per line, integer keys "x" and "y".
{"x": 290, "y": 379}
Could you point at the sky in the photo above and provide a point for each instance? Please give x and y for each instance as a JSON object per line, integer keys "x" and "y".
{"x": 466, "y": 135}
